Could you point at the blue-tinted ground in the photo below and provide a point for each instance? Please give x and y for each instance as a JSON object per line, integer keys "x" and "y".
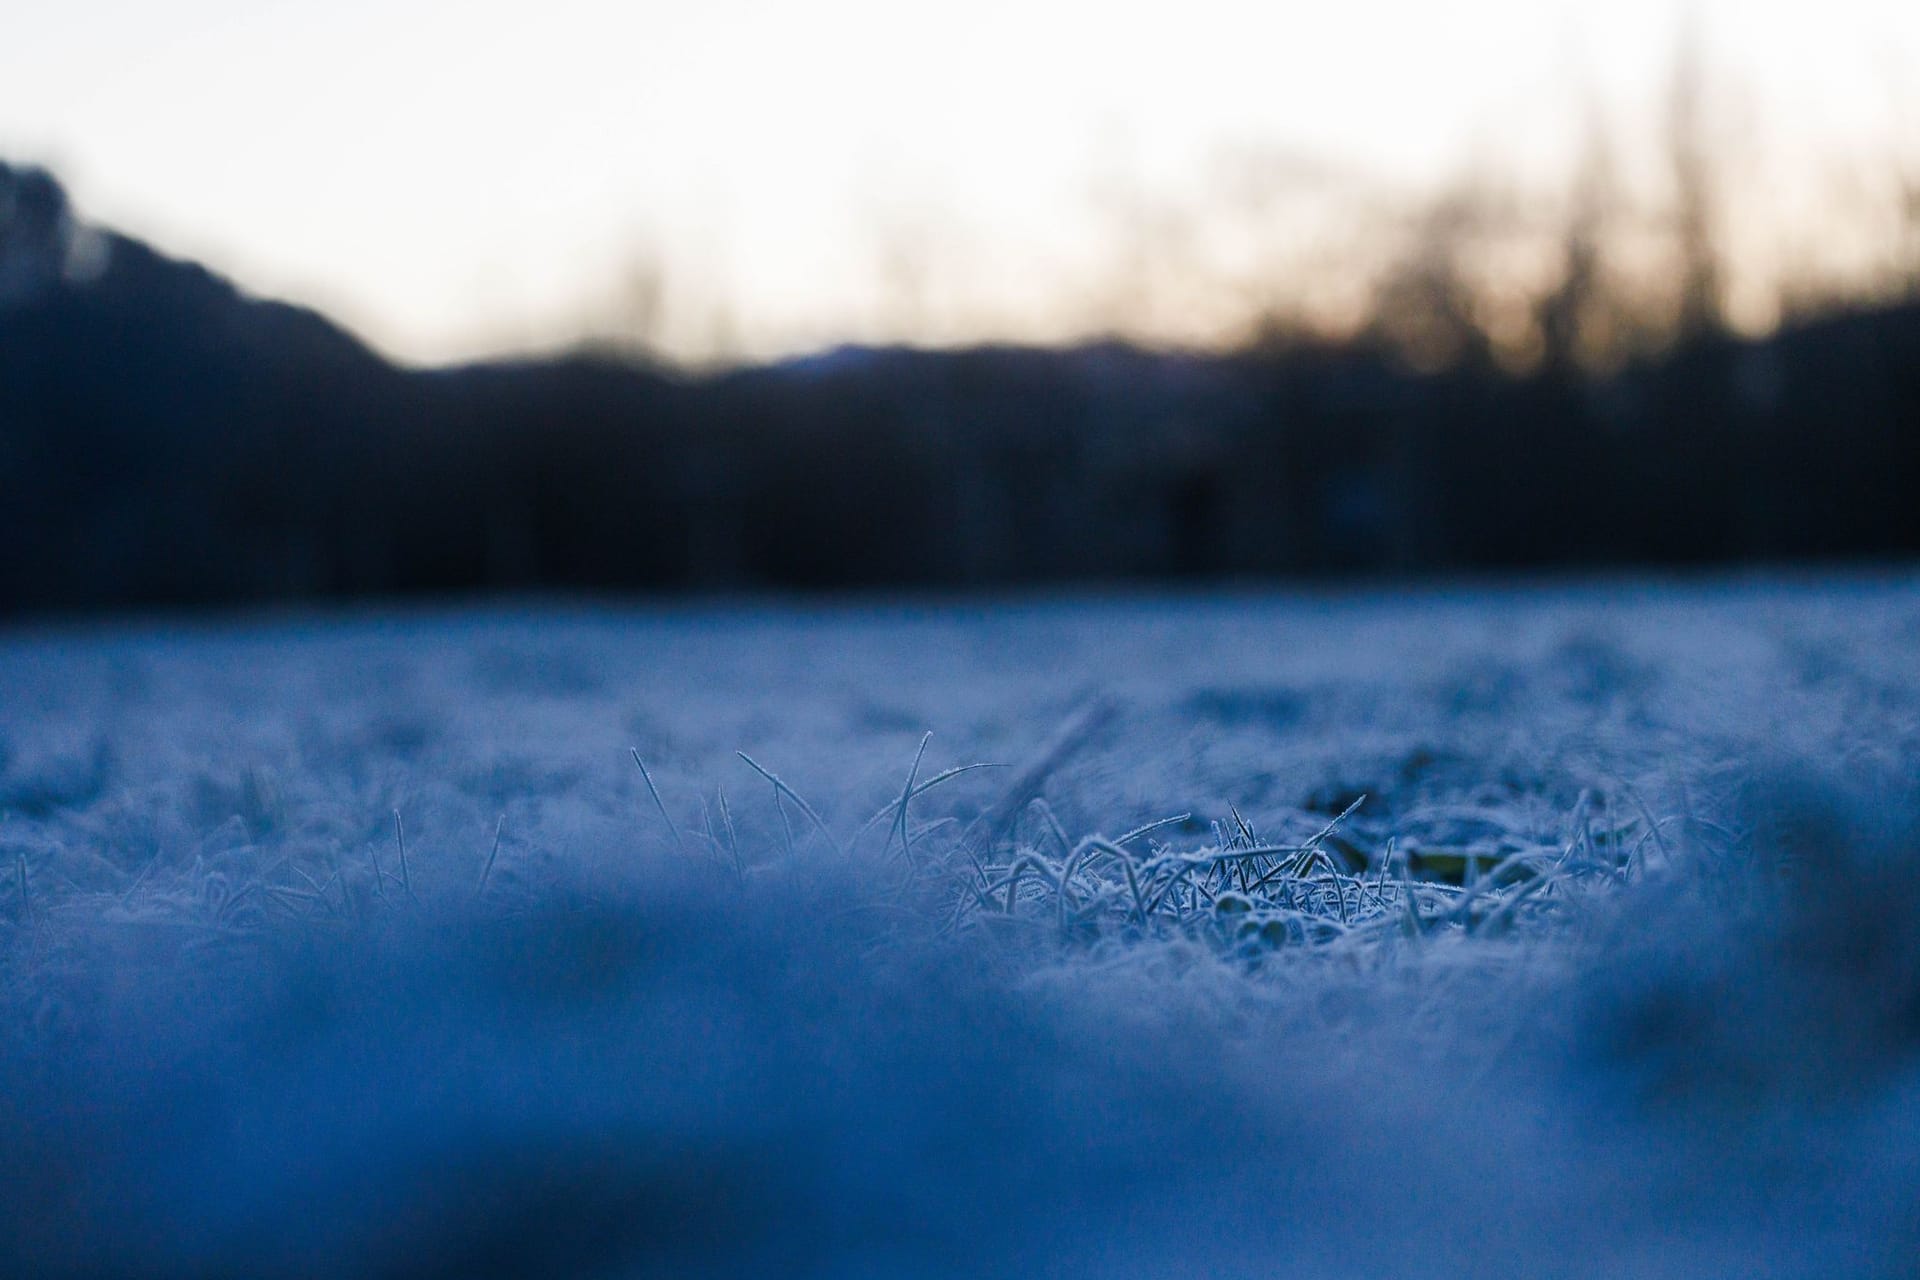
{"x": 1615, "y": 970}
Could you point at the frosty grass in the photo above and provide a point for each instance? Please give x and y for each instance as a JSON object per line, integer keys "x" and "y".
{"x": 1534, "y": 931}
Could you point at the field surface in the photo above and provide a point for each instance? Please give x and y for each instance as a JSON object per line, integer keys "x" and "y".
{"x": 1535, "y": 930}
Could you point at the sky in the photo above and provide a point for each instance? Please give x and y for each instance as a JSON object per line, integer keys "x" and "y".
{"x": 752, "y": 177}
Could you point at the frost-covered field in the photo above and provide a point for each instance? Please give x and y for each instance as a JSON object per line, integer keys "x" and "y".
{"x": 1615, "y": 969}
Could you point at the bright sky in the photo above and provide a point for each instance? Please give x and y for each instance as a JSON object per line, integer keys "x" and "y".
{"x": 460, "y": 177}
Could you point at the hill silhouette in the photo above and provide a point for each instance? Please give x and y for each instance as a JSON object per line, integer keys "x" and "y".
{"x": 166, "y": 439}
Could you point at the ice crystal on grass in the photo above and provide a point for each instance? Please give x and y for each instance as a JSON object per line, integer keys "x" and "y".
{"x": 1571, "y": 976}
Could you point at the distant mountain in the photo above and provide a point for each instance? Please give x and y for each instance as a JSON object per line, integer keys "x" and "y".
{"x": 166, "y": 439}
{"x": 150, "y": 411}
{"x": 55, "y": 270}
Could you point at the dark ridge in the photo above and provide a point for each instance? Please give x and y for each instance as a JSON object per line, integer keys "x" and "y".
{"x": 167, "y": 440}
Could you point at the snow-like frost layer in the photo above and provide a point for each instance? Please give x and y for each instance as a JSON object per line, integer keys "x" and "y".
{"x": 233, "y": 1047}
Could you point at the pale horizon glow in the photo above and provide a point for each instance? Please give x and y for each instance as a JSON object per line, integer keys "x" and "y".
{"x": 455, "y": 181}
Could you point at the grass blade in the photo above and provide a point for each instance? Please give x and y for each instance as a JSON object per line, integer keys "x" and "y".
{"x": 794, "y": 796}
{"x": 655, "y": 793}
{"x": 493, "y": 853}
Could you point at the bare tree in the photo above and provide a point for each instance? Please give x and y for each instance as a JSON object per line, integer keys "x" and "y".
{"x": 1575, "y": 317}
{"x": 905, "y": 256}
{"x": 643, "y": 301}
{"x": 1906, "y": 164}
{"x": 1426, "y": 305}
{"x": 1696, "y": 186}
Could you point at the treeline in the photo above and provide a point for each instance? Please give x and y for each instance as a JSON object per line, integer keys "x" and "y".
{"x": 165, "y": 440}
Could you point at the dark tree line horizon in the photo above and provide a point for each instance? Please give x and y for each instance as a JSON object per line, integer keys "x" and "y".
{"x": 166, "y": 441}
